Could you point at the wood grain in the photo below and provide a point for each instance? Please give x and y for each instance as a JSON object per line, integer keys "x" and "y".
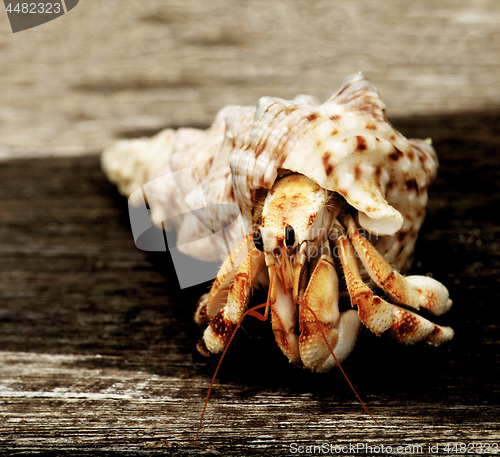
{"x": 97, "y": 340}
{"x": 115, "y": 68}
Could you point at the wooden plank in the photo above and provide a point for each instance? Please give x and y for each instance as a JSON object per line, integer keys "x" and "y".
{"x": 111, "y": 69}
{"x": 97, "y": 340}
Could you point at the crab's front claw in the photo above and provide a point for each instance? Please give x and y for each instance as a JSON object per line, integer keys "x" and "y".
{"x": 320, "y": 319}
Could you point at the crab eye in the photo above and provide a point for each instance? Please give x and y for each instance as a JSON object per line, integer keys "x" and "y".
{"x": 289, "y": 237}
{"x": 257, "y": 240}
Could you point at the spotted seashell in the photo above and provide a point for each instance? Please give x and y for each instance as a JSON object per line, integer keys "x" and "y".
{"x": 346, "y": 145}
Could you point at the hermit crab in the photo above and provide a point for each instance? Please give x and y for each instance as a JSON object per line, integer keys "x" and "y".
{"x": 329, "y": 198}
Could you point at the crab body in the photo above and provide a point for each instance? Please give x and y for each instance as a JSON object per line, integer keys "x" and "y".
{"x": 326, "y": 192}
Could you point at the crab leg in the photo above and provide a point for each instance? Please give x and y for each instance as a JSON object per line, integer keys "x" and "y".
{"x": 379, "y": 315}
{"x": 219, "y": 331}
{"x": 340, "y": 329}
{"x": 211, "y": 303}
{"x": 412, "y": 291}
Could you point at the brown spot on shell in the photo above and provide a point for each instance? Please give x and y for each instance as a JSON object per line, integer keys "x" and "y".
{"x": 260, "y": 150}
{"x": 357, "y": 173}
{"x": 326, "y": 162}
{"x": 343, "y": 89}
{"x": 368, "y": 108}
{"x": 353, "y": 97}
{"x": 335, "y": 132}
{"x": 411, "y": 184}
{"x": 361, "y": 143}
{"x": 396, "y": 155}
{"x": 312, "y": 117}
{"x": 411, "y": 154}
{"x": 371, "y": 127}
{"x": 335, "y": 117}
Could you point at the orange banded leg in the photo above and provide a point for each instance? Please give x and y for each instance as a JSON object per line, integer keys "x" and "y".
{"x": 412, "y": 291}
{"x": 219, "y": 331}
{"x": 379, "y": 315}
{"x": 211, "y": 303}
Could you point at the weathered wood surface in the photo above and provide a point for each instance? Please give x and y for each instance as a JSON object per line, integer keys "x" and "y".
{"x": 116, "y": 68}
{"x": 97, "y": 341}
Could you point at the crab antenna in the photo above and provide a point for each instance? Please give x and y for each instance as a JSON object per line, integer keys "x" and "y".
{"x": 252, "y": 311}
{"x": 219, "y": 364}
{"x": 338, "y": 363}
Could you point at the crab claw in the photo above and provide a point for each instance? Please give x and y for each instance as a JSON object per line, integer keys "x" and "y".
{"x": 320, "y": 319}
